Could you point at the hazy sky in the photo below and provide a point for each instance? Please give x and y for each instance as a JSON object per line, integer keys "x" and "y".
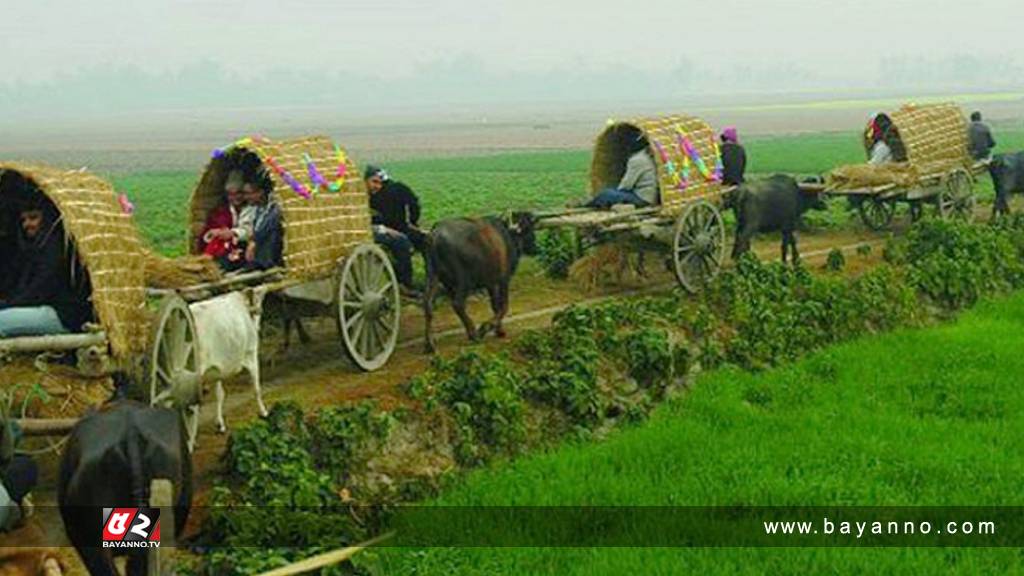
{"x": 43, "y": 39}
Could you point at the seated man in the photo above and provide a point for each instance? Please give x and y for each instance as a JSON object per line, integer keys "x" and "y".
{"x": 266, "y": 241}
{"x": 639, "y": 185}
{"x": 43, "y": 300}
{"x": 396, "y": 217}
{"x": 228, "y": 226}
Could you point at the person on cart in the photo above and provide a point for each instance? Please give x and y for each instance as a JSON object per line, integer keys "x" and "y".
{"x": 881, "y": 152}
{"x": 979, "y": 139}
{"x": 639, "y": 184}
{"x": 266, "y": 239}
{"x": 45, "y": 298}
{"x": 734, "y": 158}
{"x": 228, "y": 226}
{"x": 396, "y": 216}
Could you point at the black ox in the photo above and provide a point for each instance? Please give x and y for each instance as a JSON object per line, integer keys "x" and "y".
{"x": 773, "y": 204}
{"x": 466, "y": 255}
{"x": 1007, "y": 171}
{"x": 110, "y": 459}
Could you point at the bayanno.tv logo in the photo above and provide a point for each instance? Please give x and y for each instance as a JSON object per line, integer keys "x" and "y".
{"x": 131, "y": 527}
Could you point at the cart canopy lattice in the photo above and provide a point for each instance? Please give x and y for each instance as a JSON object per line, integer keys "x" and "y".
{"x": 106, "y": 243}
{"x": 318, "y": 230}
{"x": 928, "y": 136}
{"x": 665, "y": 133}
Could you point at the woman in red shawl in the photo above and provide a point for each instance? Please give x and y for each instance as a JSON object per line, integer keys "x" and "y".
{"x": 218, "y": 240}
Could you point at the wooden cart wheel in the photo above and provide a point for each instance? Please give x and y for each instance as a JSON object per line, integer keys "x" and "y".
{"x": 956, "y": 197}
{"x": 876, "y": 213}
{"x": 173, "y": 368}
{"x": 698, "y": 246}
{"x": 368, "y": 307}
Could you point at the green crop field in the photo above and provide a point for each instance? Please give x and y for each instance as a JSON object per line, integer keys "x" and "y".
{"x": 917, "y": 417}
{"x": 479, "y": 185}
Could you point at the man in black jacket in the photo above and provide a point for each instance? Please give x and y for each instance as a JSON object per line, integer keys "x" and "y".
{"x": 396, "y": 217}
{"x": 979, "y": 138}
{"x": 43, "y": 299}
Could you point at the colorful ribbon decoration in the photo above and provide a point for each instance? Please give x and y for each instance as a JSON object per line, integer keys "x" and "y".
{"x": 339, "y": 180}
{"x": 126, "y": 205}
{"x": 691, "y": 151}
{"x": 719, "y": 168}
{"x": 314, "y": 175}
{"x": 297, "y": 186}
{"x": 670, "y": 167}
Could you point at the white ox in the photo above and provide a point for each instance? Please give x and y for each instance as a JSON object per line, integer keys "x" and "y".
{"x": 228, "y": 335}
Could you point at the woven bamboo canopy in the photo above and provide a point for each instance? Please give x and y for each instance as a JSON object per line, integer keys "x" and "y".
{"x": 106, "y": 243}
{"x": 317, "y": 230}
{"x": 612, "y": 149}
{"x": 925, "y": 136}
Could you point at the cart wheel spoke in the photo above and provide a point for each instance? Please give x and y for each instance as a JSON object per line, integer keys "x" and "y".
{"x": 383, "y": 290}
{"x": 352, "y": 320}
{"x": 163, "y": 376}
{"x": 161, "y": 398}
{"x": 365, "y": 340}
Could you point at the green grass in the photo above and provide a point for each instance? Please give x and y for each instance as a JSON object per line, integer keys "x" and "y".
{"x": 916, "y": 417}
{"x": 489, "y": 184}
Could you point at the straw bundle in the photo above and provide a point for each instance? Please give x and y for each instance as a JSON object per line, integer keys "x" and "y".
{"x": 317, "y": 231}
{"x": 611, "y": 150}
{"x": 164, "y": 272}
{"x": 612, "y": 261}
{"x": 858, "y": 176}
{"x": 65, "y": 392}
{"x": 106, "y": 241}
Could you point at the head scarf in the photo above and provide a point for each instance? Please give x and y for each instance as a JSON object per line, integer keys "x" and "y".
{"x": 730, "y": 135}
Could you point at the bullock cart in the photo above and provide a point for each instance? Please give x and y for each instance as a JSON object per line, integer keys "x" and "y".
{"x": 688, "y": 220}
{"x": 107, "y": 264}
{"x": 931, "y": 165}
{"x": 150, "y": 332}
{"x": 328, "y": 255}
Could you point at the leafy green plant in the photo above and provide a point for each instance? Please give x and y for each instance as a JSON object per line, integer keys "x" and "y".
{"x": 277, "y": 500}
{"x": 482, "y": 393}
{"x": 955, "y": 263}
{"x": 835, "y": 260}
{"x": 558, "y": 249}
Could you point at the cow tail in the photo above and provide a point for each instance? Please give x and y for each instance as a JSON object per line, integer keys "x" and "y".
{"x": 140, "y": 486}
